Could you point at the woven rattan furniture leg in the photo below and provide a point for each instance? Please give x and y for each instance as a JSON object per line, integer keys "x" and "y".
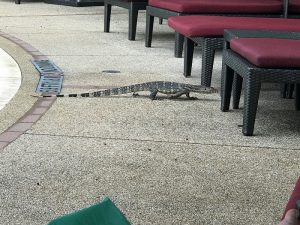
{"x": 133, "y": 9}
{"x": 227, "y": 79}
{"x": 149, "y": 30}
{"x": 107, "y": 14}
{"x": 152, "y": 12}
{"x": 209, "y": 47}
{"x": 236, "y": 90}
{"x": 212, "y": 44}
{"x": 179, "y": 40}
{"x": 133, "y": 16}
{"x": 297, "y": 96}
{"x": 188, "y": 56}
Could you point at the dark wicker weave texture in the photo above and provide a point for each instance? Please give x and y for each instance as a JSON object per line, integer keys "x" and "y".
{"x": 209, "y": 47}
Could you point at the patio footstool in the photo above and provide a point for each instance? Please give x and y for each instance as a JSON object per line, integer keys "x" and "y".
{"x": 167, "y": 8}
{"x": 256, "y": 60}
{"x": 133, "y": 7}
{"x": 208, "y": 31}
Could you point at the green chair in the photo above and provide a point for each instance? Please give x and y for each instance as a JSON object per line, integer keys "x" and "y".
{"x": 103, "y": 213}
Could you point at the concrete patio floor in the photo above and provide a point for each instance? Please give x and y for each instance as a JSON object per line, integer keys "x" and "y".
{"x": 162, "y": 162}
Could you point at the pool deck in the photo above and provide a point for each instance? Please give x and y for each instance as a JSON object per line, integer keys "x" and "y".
{"x": 162, "y": 162}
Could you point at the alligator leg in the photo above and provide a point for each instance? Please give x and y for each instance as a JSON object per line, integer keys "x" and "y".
{"x": 189, "y": 97}
{"x": 153, "y": 94}
{"x": 179, "y": 93}
{"x": 184, "y": 92}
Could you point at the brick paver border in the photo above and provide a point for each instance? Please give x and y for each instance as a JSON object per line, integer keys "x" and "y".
{"x": 38, "y": 109}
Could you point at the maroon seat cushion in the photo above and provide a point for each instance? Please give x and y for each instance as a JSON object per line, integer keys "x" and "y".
{"x": 136, "y": 0}
{"x": 293, "y": 198}
{"x": 213, "y": 26}
{"x": 146, "y": 1}
{"x": 219, "y": 6}
{"x": 268, "y": 52}
{"x": 294, "y": 6}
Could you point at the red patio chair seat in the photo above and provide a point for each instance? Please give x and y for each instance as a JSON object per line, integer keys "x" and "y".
{"x": 213, "y": 26}
{"x": 208, "y": 32}
{"x": 217, "y": 6}
{"x": 262, "y": 53}
{"x": 167, "y": 8}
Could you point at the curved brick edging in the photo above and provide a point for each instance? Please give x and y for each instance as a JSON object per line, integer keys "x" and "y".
{"x": 38, "y": 109}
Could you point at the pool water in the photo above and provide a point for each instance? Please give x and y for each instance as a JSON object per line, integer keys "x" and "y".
{"x": 10, "y": 78}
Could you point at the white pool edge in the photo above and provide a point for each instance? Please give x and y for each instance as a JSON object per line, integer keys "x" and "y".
{"x": 10, "y": 78}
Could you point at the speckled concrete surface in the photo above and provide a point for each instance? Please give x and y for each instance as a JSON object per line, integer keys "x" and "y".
{"x": 198, "y": 121}
{"x": 177, "y": 183}
{"x": 162, "y": 162}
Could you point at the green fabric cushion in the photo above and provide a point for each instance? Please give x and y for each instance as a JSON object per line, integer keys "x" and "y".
{"x": 103, "y": 213}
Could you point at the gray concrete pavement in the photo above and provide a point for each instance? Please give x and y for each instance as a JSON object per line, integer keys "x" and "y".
{"x": 161, "y": 162}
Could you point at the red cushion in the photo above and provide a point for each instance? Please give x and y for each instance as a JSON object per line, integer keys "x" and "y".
{"x": 213, "y": 26}
{"x": 268, "y": 52}
{"x": 294, "y": 6}
{"x": 294, "y": 197}
{"x": 219, "y": 6}
{"x": 136, "y": 0}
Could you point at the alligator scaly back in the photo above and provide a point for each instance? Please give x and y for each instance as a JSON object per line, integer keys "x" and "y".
{"x": 170, "y": 88}
{"x": 113, "y": 91}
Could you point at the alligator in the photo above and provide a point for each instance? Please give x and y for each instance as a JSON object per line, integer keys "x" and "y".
{"x": 172, "y": 89}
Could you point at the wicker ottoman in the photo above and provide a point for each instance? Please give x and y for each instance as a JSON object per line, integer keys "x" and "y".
{"x": 251, "y": 56}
